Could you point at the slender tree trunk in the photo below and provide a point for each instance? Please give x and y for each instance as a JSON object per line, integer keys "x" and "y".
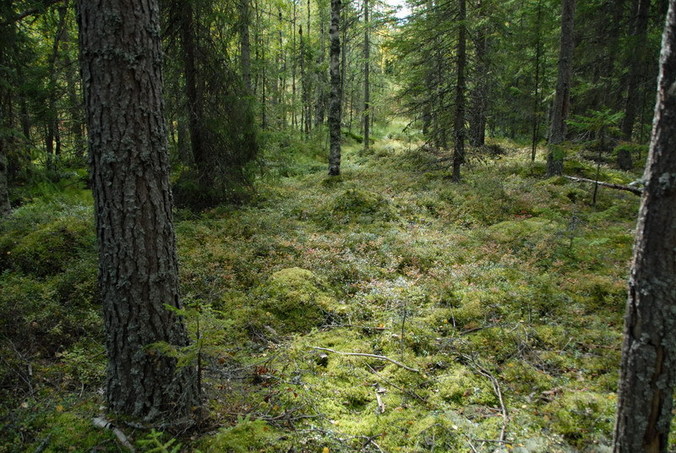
{"x": 281, "y": 70}
{"x": 74, "y": 98}
{"x": 320, "y": 100}
{"x": 335, "y": 107}
{"x": 648, "y": 373}
{"x": 244, "y": 44}
{"x": 479, "y": 95}
{"x": 636, "y": 66}
{"x": 305, "y": 89}
{"x": 367, "y": 82}
{"x": 52, "y": 136}
{"x": 4, "y": 170}
{"x": 343, "y": 60}
{"x": 561, "y": 108}
{"x": 536, "y": 98}
{"x": 186, "y": 14}
{"x": 294, "y": 61}
{"x": 138, "y": 269}
{"x": 460, "y": 87}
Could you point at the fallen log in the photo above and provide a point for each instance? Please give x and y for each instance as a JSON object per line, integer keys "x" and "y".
{"x": 634, "y": 190}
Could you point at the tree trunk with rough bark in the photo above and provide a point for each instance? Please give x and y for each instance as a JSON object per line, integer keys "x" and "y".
{"x": 648, "y": 373}
{"x": 138, "y": 271}
{"x": 561, "y": 107}
{"x": 335, "y": 107}
{"x": 459, "y": 151}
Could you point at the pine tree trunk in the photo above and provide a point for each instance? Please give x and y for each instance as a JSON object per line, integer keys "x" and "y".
{"x": 561, "y": 107}
{"x": 335, "y": 106}
{"x": 367, "y": 82}
{"x": 636, "y": 66}
{"x": 648, "y": 373}
{"x": 459, "y": 151}
{"x": 138, "y": 271}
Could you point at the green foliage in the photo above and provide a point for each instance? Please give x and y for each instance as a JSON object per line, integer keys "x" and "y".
{"x": 153, "y": 443}
{"x": 597, "y": 122}
{"x": 246, "y": 436}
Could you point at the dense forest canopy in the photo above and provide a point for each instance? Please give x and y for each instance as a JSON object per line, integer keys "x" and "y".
{"x": 336, "y": 225}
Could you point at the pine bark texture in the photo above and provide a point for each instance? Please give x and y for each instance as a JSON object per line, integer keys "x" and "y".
{"x": 138, "y": 270}
{"x": 335, "y": 107}
{"x": 648, "y": 371}
{"x": 460, "y": 87}
{"x": 557, "y": 133}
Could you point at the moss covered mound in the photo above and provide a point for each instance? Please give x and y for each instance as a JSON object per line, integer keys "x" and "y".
{"x": 297, "y": 299}
{"x": 356, "y": 206}
{"x": 48, "y": 249}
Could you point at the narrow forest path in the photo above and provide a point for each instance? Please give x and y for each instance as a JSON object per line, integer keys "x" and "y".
{"x": 506, "y": 292}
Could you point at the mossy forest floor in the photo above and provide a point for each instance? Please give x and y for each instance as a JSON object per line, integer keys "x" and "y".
{"x": 504, "y": 293}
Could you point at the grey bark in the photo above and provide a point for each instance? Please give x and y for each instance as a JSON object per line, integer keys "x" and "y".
{"x": 636, "y": 66}
{"x": 459, "y": 150}
{"x": 648, "y": 372}
{"x": 561, "y": 106}
{"x": 335, "y": 107}
{"x": 138, "y": 270}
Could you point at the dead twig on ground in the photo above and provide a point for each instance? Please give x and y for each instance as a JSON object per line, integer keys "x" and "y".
{"x": 496, "y": 389}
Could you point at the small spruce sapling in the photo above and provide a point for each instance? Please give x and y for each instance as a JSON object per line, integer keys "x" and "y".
{"x": 600, "y": 124}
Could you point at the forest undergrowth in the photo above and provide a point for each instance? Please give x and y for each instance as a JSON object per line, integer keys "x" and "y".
{"x": 385, "y": 310}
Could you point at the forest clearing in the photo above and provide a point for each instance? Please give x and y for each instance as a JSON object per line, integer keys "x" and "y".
{"x": 509, "y": 278}
{"x": 324, "y": 227}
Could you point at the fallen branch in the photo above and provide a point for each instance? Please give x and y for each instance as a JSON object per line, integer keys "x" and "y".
{"x": 634, "y": 190}
{"x": 496, "y": 389}
{"x": 373, "y": 356}
{"x": 100, "y": 422}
